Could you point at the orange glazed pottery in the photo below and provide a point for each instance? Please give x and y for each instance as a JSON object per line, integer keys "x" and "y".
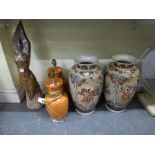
{"x": 57, "y": 70}
{"x": 58, "y": 73}
{"x": 56, "y": 100}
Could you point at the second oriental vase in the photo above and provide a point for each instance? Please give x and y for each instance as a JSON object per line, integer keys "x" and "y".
{"x": 121, "y": 80}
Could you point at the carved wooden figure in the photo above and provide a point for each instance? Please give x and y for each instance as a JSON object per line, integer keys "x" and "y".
{"x": 22, "y": 49}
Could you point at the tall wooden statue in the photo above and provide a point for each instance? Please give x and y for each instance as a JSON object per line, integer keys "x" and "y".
{"x": 22, "y": 49}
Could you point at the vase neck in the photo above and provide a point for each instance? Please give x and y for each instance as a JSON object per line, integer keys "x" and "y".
{"x": 123, "y": 64}
{"x": 86, "y": 66}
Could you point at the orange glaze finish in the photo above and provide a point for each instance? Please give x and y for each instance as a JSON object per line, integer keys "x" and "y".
{"x": 53, "y": 88}
{"x": 58, "y": 74}
{"x": 57, "y": 102}
{"x": 58, "y": 109}
{"x": 58, "y": 71}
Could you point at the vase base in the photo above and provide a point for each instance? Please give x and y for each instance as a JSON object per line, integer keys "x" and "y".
{"x": 58, "y": 121}
{"x": 117, "y": 110}
{"x": 84, "y": 113}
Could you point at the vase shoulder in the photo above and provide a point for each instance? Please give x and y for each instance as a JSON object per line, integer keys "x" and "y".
{"x": 132, "y": 71}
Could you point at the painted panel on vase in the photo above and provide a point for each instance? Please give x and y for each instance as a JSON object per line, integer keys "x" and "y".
{"x": 119, "y": 90}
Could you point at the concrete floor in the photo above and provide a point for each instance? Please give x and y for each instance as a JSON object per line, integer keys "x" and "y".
{"x": 16, "y": 119}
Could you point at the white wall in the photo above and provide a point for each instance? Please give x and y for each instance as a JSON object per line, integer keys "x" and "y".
{"x": 65, "y": 39}
{"x": 6, "y": 83}
{"x": 10, "y": 88}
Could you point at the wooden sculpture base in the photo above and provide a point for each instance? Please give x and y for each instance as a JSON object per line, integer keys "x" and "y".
{"x": 33, "y": 103}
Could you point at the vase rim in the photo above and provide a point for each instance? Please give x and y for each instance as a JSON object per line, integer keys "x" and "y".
{"x": 125, "y": 58}
{"x": 87, "y": 59}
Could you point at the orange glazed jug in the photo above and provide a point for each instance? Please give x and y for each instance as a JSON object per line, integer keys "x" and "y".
{"x": 56, "y": 100}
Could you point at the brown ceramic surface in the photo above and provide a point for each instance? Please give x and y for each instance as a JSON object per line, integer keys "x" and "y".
{"x": 51, "y": 87}
{"x": 58, "y": 109}
{"x": 58, "y": 71}
{"x": 58, "y": 74}
{"x": 57, "y": 101}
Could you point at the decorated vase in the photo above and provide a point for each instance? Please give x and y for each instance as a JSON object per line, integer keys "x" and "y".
{"x": 56, "y": 100}
{"x": 121, "y": 81}
{"x": 85, "y": 82}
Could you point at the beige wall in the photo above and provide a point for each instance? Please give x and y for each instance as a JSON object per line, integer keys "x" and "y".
{"x": 8, "y": 59}
{"x": 6, "y": 83}
{"x": 67, "y": 39}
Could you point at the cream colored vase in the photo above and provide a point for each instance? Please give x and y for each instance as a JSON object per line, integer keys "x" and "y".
{"x": 85, "y": 82}
{"x": 121, "y": 80}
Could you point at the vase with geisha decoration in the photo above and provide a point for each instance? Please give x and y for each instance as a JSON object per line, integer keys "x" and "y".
{"x": 121, "y": 79}
{"x": 56, "y": 99}
{"x": 85, "y": 83}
